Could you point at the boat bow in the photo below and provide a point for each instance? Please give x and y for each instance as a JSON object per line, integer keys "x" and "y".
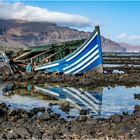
{"x": 86, "y": 57}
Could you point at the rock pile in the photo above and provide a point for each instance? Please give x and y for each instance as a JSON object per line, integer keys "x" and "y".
{"x": 45, "y": 124}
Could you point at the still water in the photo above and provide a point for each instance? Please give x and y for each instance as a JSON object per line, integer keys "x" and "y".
{"x": 99, "y": 102}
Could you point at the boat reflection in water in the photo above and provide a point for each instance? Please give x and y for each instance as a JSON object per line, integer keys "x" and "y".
{"x": 77, "y": 97}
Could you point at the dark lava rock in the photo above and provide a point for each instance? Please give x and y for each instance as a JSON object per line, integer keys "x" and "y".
{"x": 49, "y": 110}
{"x": 82, "y": 118}
{"x": 137, "y": 111}
{"x": 36, "y": 134}
{"x": 50, "y": 126}
{"x": 8, "y": 87}
{"x": 137, "y": 96}
{"x": 115, "y": 119}
{"x": 65, "y": 106}
{"x": 2, "y": 105}
{"x": 47, "y": 136}
{"x": 11, "y": 135}
{"x": 35, "y": 110}
{"x": 50, "y": 97}
{"x": 83, "y": 112}
{"x": 125, "y": 119}
{"x": 137, "y": 108}
{"x": 51, "y": 104}
{"x": 45, "y": 116}
{"x": 34, "y": 131}
{"x": 3, "y": 113}
{"x": 22, "y": 132}
{"x": 5, "y": 71}
{"x": 15, "y": 114}
{"x": 1, "y": 77}
{"x": 55, "y": 115}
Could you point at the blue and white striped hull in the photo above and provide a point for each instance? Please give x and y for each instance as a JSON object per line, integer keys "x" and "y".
{"x": 88, "y": 56}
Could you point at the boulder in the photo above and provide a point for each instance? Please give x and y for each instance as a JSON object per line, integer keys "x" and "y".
{"x": 45, "y": 116}
{"x": 8, "y": 87}
{"x": 82, "y": 118}
{"x": 137, "y": 96}
{"x": 22, "y": 132}
{"x": 115, "y": 119}
{"x": 65, "y": 106}
{"x": 83, "y": 112}
{"x": 35, "y": 110}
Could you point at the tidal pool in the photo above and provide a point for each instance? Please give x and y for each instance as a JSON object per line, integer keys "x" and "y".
{"x": 99, "y": 102}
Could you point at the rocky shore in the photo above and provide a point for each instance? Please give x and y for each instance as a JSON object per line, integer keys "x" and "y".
{"x": 130, "y": 77}
{"x": 45, "y": 124}
{"x": 40, "y": 123}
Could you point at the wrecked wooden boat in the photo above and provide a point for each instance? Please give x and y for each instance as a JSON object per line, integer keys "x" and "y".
{"x": 86, "y": 57}
{"x": 72, "y": 57}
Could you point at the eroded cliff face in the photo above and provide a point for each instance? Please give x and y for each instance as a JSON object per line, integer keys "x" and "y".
{"x": 111, "y": 46}
{"x": 18, "y": 34}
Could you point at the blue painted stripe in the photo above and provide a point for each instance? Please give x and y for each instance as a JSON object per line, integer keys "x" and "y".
{"x": 79, "y": 60}
{"x": 85, "y": 58}
{"x": 88, "y": 64}
{"x": 82, "y": 48}
{"x": 95, "y": 62}
{"x": 63, "y": 61}
{"x": 81, "y": 64}
{"x": 63, "y": 65}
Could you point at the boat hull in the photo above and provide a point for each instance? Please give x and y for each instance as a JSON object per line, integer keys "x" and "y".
{"x": 88, "y": 56}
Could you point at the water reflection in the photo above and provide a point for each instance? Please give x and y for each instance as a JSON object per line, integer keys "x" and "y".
{"x": 100, "y": 102}
{"x": 79, "y": 98}
{"x": 28, "y": 96}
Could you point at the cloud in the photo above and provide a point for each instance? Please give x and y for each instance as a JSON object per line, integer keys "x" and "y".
{"x": 121, "y": 35}
{"x": 21, "y": 11}
{"x": 133, "y": 39}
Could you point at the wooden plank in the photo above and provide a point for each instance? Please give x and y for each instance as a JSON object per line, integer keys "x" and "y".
{"x": 23, "y": 55}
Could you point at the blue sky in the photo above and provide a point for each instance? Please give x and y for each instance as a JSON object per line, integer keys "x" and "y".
{"x": 118, "y": 20}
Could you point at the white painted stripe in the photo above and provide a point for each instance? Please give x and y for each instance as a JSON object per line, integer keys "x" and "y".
{"x": 87, "y": 64}
{"x": 81, "y": 57}
{"x": 47, "y": 91}
{"x": 73, "y": 103}
{"x": 82, "y": 63}
{"x": 78, "y": 98}
{"x": 92, "y": 97}
{"x": 46, "y": 66}
{"x": 82, "y": 48}
{"x": 85, "y": 97}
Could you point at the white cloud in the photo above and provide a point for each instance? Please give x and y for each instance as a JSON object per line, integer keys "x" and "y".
{"x": 21, "y": 11}
{"x": 133, "y": 39}
{"x": 122, "y": 35}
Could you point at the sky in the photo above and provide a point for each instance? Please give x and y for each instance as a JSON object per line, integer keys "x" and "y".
{"x": 118, "y": 20}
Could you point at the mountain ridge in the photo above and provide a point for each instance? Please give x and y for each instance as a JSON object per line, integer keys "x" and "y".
{"x": 20, "y": 34}
{"x": 130, "y": 47}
